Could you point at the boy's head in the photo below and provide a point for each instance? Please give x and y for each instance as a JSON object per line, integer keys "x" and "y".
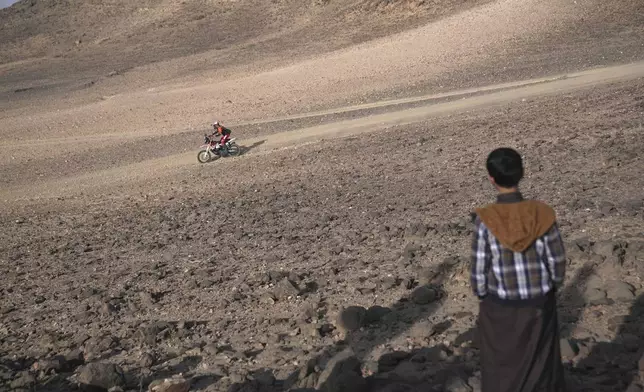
{"x": 505, "y": 167}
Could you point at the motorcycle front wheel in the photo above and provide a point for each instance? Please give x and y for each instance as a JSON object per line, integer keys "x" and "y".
{"x": 234, "y": 150}
{"x": 204, "y": 156}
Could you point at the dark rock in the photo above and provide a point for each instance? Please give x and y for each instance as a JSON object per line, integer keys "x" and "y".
{"x": 423, "y": 295}
{"x": 75, "y": 359}
{"x": 264, "y": 377}
{"x": 441, "y": 327}
{"x": 408, "y": 283}
{"x": 352, "y": 318}
{"x": 462, "y": 315}
{"x": 430, "y": 354}
{"x": 634, "y": 387}
{"x": 147, "y": 360}
{"x": 284, "y": 289}
{"x": 24, "y": 380}
{"x": 390, "y": 360}
{"x": 409, "y": 372}
{"x": 396, "y": 387}
{"x": 49, "y": 365}
{"x": 456, "y": 384}
{"x": 468, "y": 337}
{"x": 375, "y": 314}
{"x": 475, "y": 383}
{"x": 101, "y": 376}
{"x": 342, "y": 373}
{"x": 630, "y": 342}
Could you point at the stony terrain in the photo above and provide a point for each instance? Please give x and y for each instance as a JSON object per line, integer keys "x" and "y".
{"x": 337, "y": 265}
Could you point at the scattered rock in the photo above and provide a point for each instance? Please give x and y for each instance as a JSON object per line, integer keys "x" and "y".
{"x": 101, "y": 375}
{"x": 178, "y": 384}
{"x": 284, "y": 289}
{"x": 423, "y": 295}
{"x": 352, "y": 318}
{"x": 620, "y": 291}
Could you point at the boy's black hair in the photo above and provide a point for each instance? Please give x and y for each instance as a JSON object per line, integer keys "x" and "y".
{"x": 505, "y": 166}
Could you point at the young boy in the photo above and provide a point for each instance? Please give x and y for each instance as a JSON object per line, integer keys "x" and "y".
{"x": 518, "y": 262}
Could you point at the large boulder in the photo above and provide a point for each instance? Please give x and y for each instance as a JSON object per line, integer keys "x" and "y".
{"x": 342, "y": 373}
{"x": 101, "y": 376}
{"x": 352, "y": 318}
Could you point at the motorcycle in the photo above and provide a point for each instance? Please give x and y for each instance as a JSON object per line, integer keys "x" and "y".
{"x": 211, "y": 149}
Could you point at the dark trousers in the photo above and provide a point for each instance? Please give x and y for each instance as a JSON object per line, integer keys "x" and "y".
{"x": 520, "y": 346}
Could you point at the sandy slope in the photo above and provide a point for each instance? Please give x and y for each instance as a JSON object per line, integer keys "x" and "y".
{"x": 25, "y": 188}
{"x": 344, "y": 76}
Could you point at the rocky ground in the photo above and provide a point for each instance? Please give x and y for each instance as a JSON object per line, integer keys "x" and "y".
{"x": 342, "y": 265}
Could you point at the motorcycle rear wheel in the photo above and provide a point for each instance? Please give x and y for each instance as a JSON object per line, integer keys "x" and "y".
{"x": 234, "y": 150}
{"x": 204, "y": 156}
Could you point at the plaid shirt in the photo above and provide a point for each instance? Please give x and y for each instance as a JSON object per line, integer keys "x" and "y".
{"x": 513, "y": 275}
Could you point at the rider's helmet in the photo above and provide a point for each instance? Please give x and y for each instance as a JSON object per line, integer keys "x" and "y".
{"x": 215, "y": 124}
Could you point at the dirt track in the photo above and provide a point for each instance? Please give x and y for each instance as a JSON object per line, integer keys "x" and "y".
{"x": 459, "y": 102}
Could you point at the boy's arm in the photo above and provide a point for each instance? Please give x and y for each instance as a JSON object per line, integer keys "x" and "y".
{"x": 481, "y": 257}
{"x": 556, "y": 255}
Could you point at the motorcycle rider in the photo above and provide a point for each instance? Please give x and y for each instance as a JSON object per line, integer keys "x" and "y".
{"x": 222, "y": 131}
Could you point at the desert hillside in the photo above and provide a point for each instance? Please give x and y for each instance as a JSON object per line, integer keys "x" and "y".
{"x": 333, "y": 254}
